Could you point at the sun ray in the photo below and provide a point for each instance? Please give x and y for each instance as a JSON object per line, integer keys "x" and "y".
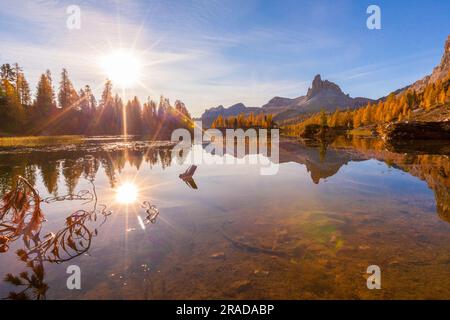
{"x": 123, "y": 67}
{"x": 141, "y": 27}
{"x": 54, "y": 120}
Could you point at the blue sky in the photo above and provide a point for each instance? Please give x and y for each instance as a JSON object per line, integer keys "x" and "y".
{"x": 209, "y": 52}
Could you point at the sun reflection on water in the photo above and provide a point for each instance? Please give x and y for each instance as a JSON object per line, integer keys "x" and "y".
{"x": 127, "y": 193}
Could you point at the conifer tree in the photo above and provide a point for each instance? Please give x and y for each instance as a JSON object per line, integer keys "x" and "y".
{"x": 44, "y": 105}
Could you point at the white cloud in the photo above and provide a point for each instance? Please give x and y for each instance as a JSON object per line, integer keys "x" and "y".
{"x": 178, "y": 63}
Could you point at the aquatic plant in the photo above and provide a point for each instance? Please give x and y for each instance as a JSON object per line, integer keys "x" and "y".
{"x": 21, "y": 216}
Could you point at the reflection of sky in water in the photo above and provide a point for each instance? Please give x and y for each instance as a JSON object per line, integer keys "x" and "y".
{"x": 187, "y": 229}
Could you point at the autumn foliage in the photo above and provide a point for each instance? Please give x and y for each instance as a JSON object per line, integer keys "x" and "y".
{"x": 77, "y": 112}
{"x": 396, "y": 107}
{"x": 244, "y": 121}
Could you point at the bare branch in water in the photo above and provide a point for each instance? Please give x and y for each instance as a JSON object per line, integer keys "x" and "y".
{"x": 21, "y": 216}
{"x": 151, "y": 211}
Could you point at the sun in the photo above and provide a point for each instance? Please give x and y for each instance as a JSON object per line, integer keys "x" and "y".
{"x": 122, "y": 67}
{"x": 126, "y": 193}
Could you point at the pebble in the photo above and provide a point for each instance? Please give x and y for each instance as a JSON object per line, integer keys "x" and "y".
{"x": 261, "y": 272}
{"x": 217, "y": 255}
{"x": 241, "y": 285}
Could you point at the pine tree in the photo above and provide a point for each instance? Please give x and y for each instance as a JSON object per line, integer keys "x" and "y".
{"x": 13, "y": 113}
{"x": 44, "y": 105}
{"x": 323, "y": 119}
{"x": 269, "y": 121}
{"x": 67, "y": 96}
{"x": 104, "y": 120}
{"x": 134, "y": 117}
{"x": 442, "y": 97}
{"x": 119, "y": 117}
{"x": 69, "y": 120}
{"x": 22, "y": 86}
{"x": 356, "y": 119}
{"x": 182, "y": 111}
{"x": 107, "y": 95}
{"x": 220, "y": 123}
{"x": 367, "y": 115}
{"x": 149, "y": 121}
{"x": 7, "y": 73}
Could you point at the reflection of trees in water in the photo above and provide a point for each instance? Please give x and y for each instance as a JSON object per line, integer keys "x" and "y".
{"x": 434, "y": 169}
{"x": 324, "y": 159}
{"x": 323, "y": 151}
{"x": 13, "y": 166}
{"x": 31, "y": 282}
{"x": 50, "y": 174}
{"x": 21, "y": 218}
{"x": 20, "y": 214}
{"x": 72, "y": 170}
{"x": 74, "y": 165}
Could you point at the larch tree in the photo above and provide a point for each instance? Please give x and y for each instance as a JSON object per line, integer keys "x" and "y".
{"x": 67, "y": 95}
{"x": 45, "y": 97}
{"x": 134, "y": 116}
{"x": 13, "y": 113}
{"x": 22, "y": 86}
{"x": 69, "y": 119}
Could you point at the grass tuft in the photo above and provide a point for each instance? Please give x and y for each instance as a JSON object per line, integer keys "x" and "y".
{"x": 34, "y": 141}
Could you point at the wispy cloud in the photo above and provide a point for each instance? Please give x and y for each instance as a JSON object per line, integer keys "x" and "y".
{"x": 204, "y": 52}
{"x": 178, "y": 63}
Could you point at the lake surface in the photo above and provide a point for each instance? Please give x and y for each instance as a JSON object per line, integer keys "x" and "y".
{"x": 308, "y": 232}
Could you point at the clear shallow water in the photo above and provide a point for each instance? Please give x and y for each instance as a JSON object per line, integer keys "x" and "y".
{"x": 308, "y": 232}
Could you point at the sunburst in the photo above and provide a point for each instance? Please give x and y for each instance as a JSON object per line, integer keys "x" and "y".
{"x": 122, "y": 67}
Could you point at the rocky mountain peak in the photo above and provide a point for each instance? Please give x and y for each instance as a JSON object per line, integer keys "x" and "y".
{"x": 322, "y": 95}
{"x": 446, "y": 57}
{"x": 319, "y": 85}
{"x": 237, "y": 107}
{"x": 445, "y": 61}
{"x": 439, "y": 72}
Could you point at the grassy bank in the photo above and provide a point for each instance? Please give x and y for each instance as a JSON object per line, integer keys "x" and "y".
{"x": 34, "y": 141}
{"x": 360, "y": 132}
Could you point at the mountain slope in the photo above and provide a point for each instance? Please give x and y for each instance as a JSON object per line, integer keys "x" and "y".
{"x": 439, "y": 72}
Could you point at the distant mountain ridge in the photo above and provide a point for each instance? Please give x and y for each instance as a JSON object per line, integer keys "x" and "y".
{"x": 326, "y": 95}
{"x": 322, "y": 94}
{"x": 211, "y": 114}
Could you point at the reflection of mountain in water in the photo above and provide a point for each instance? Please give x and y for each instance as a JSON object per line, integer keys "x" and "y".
{"x": 319, "y": 159}
{"x": 322, "y": 160}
